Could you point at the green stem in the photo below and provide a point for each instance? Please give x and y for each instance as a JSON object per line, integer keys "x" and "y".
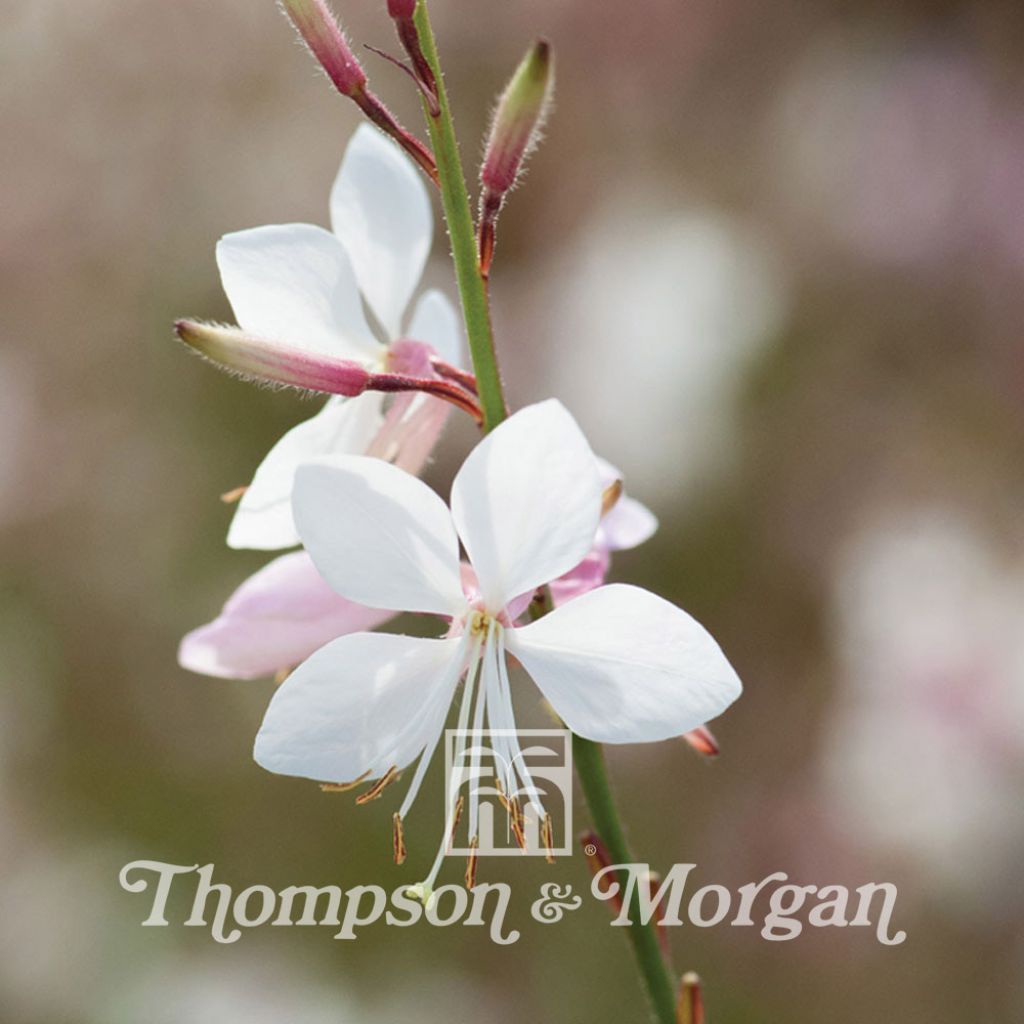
{"x": 459, "y": 218}
{"x": 476, "y": 312}
{"x": 589, "y": 762}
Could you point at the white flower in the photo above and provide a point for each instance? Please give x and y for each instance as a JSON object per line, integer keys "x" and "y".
{"x": 618, "y": 664}
{"x": 305, "y": 287}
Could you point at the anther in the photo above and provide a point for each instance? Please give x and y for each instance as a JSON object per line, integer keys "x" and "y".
{"x": 399, "y": 838}
{"x": 235, "y": 494}
{"x": 517, "y": 821}
{"x": 547, "y": 835}
{"x": 343, "y": 787}
{"x": 391, "y": 775}
{"x": 474, "y": 843}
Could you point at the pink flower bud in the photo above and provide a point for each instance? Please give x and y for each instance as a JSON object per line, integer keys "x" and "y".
{"x": 258, "y": 359}
{"x": 322, "y": 34}
{"x": 518, "y": 120}
{"x": 401, "y": 8}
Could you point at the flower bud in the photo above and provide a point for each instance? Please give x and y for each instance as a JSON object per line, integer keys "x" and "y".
{"x": 401, "y": 8}
{"x": 518, "y": 120}
{"x": 258, "y": 359}
{"x": 322, "y": 34}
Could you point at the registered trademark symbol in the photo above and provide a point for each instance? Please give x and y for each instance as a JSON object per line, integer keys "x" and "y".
{"x": 590, "y": 849}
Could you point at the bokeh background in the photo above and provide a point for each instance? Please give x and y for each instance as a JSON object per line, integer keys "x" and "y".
{"x": 772, "y": 256}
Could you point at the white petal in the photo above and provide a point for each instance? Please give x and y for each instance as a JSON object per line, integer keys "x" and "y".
{"x": 626, "y": 526}
{"x": 276, "y": 619}
{"x": 381, "y": 213}
{"x": 361, "y": 704}
{"x": 378, "y": 535}
{"x": 621, "y": 665}
{"x": 294, "y": 283}
{"x": 436, "y": 322}
{"x": 527, "y": 502}
{"x": 263, "y": 519}
{"x": 629, "y": 523}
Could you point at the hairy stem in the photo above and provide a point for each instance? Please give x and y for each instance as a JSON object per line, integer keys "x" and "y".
{"x": 589, "y": 761}
{"x": 472, "y": 284}
{"x": 476, "y": 309}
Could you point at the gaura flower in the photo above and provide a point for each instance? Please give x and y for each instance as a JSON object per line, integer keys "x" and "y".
{"x": 284, "y": 612}
{"x": 274, "y": 620}
{"x": 305, "y": 287}
{"x": 617, "y": 664}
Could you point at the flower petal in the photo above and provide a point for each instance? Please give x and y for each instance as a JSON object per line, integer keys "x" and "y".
{"x": 274, "y": 620}
{"x": 527, "y": 502}
{"x": 621, "y": 665}
{"x": 378, "y": 535}
{"x": 294, "y": 283}
{"x": 581, "y": 579}
{"x": 363, "y": 703}
{"x": 381, "y": 213}
{"x": 264, "y": 519}
{"x": 435, "y": 321}
{"x": 626, "y": 526}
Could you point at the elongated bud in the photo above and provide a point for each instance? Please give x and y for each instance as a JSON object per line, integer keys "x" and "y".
{"x": 401, "y": 8}
{"x": 518, "y": 120}
{"x": 515, "y": 130}
{"x": 322, "y": 34}
{"x": 258, "y": 359}
{"x": 690, "y": 1007}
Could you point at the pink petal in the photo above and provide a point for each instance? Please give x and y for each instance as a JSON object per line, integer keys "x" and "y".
{"x": 590, "y": 573}
{"x": 274, "y": 620}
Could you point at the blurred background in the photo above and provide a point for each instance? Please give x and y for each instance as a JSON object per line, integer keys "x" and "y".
{"x": 772, "y": 256}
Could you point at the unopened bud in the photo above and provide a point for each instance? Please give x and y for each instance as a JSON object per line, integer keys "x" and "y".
{"x": 690, "y": 1007}
{"x": 401, "y": 8}
{"x": 322, "y": 34}
{"x": 259, "y": 359}
{"x": 518, "y": 119}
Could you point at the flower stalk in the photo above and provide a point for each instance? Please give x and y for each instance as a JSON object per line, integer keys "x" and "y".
{"x": 588, "y": 759}
{"x": 321, "y": 32}
{"x": 471, "y": 281}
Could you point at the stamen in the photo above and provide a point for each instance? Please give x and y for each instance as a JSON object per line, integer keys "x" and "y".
{"x": 398, "y": 839}
{"x": 547, "y": 833}
{"x": 487, "y": 675}
{"x": 235, "y": 494}
{"x": 344, "y": 787}
{"x": 281, "y": 675}
{"x": 471, "y": 862}
{"x": 502, "y": 799}
{"x": 391, "y": 775}
{"x": 428, "y": 752}
{"x": 517, "y": 824}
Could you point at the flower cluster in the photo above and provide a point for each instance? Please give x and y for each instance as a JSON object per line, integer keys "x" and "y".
{"x": 512, "y": 570}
